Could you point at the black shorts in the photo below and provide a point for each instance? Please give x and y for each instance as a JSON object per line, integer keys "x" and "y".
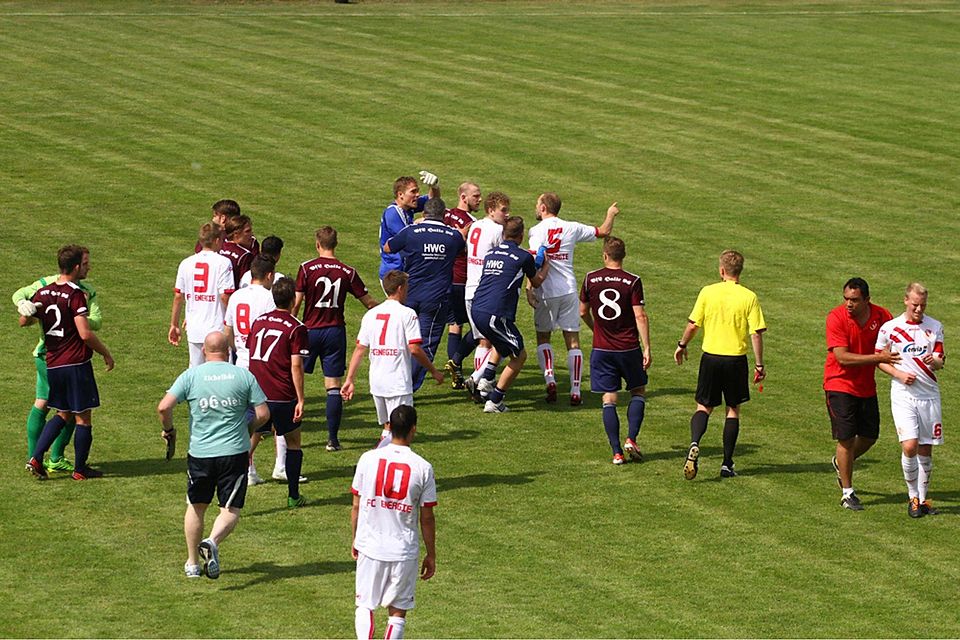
{"x": 225, "y": 474}
{"x": 724, "y": 376}
{"x": 458, "y": 305}
{"x": 852, "y": 416}
{"x": 281, "y": 418}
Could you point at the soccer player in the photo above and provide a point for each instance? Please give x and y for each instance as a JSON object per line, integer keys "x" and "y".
{"x": 391, "y": 334}
{"x": 236, "y": 247}
{"x": 222, "y": 211}
{"x": 555, "y": 302}
{"x": 62, "y": 308}
{"x": 323, "y": 284}
{"x": 484, "y": 235}
{"x": 915, "y": 392}
{"x": 204, "y": 284}
{"x": 729, "y": 314}
{"x": 459, "y": 346}
{"x": 219, "y": 442}
{"x": 494, "y": 309}
{"x": 612, "y": 305}
{"x": 849, "y": 383}
{"x": 399, "y": 213}
{"x": 272, "y": 248}
{"x": 429, "y": 250}
{"x": 37, "y": 417}
{"x": 277, "y": 346}
{"x": 394, "y": 491}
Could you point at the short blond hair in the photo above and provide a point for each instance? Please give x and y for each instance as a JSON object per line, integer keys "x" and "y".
{"x": 732, "y": 262}
{"x": 915, "y": 287}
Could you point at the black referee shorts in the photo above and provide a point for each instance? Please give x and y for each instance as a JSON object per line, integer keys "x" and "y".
{"x": 722, "y": 376}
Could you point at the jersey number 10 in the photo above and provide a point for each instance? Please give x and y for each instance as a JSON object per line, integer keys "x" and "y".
{"x": 386, "y": 485}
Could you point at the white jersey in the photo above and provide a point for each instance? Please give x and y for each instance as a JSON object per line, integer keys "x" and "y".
{"x": 913, "y": 341}
{"x": 387, "y": 330}
{"x": 247, "y": 279}
{"x": 484, "y": 235}
{"x": 560, "y": 237}
{"x": 393, "y": 483}
{"x": 201, "y": 278}
{"x": 245, "y": 306}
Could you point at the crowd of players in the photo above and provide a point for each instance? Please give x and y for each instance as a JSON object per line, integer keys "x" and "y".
{"x": 450, "y": 270}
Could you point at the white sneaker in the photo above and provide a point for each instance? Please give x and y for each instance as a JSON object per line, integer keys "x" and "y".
{"x": 490, "y": 407}
{"x": 485, "y": 386}
{"x": 253, "y": 478}
{"x": 281, "y": 475}
{"x": 192, "y": 570}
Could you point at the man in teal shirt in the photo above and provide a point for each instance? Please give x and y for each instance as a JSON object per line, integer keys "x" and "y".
{"x": 219, "y": 395}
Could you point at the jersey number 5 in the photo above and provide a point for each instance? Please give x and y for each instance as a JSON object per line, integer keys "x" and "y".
{"x": 387, "y": 486}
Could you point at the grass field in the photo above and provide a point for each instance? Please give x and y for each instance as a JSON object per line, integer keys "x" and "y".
{"x": 819, "y": 138}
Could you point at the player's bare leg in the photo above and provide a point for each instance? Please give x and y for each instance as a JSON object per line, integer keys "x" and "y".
{"x": 225, "y": 523}
{"x": 510, "y": 372}
{"x": 545, "y": 360}
{"x": 574, "y": 365}
{"x": 193, "y": 530}
{"x": 847, "y": 451}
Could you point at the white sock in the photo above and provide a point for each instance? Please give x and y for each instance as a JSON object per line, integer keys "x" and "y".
{"x": 363, "y": 621}
{"x": 910, "y": 469}
{"x": 251, "y": 469}
{"x": 480, "y": 356}
{"x": 923, "y": 479}
{"x": 395, "y": 626}
{"x": 847, "y": 492}
{"x": 281, "y": 464}
{"x": 575, "y": 364}
{"x": 545, "y": 359}
{"x": 386, "y": 437}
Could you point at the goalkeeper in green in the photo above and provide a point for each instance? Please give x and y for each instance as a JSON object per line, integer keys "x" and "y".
{"x": 37, "y": 417}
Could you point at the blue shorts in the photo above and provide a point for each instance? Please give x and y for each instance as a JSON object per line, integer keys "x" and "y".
{"x": 458, "y": 305}
{"x": 608, "y": 368}
{"x": 281, "y": 417}
{"x": 73, "y": 388}
{"x": 329, "y": 345}
{"x": 501, "y": 332}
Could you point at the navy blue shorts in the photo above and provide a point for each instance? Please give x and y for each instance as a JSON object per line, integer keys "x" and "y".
{"x": 73, "y": 388}
{"x": 501, "y": 332}
{"x": 227, "y": 475}
{"x": 281, "y": 417}
{"x": 608, "y": 368}
{"x": 329, "y": 345}
{"x": 458, "y": 305}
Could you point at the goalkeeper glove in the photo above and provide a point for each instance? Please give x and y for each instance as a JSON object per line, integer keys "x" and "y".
{"x": 28, "y": 309}
{"x": 429, "y": 179}
{"x": 541, "y": 256}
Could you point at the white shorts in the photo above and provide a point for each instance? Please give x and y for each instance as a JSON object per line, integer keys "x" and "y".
{"x": 562, "y": 312}
{"x": 196, "y": 354}
{"x": 917, "y": 419}
{"x": 381, "y": 583}
{"x": 473, "y": 325}
{"x": 385, "y": 406}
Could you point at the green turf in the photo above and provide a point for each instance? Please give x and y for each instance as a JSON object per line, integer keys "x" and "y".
{"x": 819, "y": 138}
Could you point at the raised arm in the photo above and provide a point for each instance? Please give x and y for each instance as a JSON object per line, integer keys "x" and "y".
{"x": 606, "y": 228}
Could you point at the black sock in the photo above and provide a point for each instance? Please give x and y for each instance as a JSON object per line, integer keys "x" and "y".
{"x": 698, "y": 426}
{"x": 294, "y": 460}
{"x": 82, "y": 441}
{"x": 51, "y": 431}
{"x": 731, "y": 429}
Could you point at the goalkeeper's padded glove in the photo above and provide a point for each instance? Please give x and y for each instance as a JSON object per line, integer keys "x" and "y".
{"x": 429, "y": 179}
{"x": 541, "y": 256}
{"x": 28, "y": 309}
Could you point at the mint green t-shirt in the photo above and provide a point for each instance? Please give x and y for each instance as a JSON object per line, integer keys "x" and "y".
{"x": 219, "y": 394}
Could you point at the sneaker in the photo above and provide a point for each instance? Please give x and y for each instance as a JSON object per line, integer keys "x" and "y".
{"x": 484, "y": 387}
{"x": 192, "y": 570}
{"x": 253, "y": 478}
{"x": 618, "y": 459}
{"x": 575, "y": 400}
{"x": 293, "y": 503}
{"x": 551, "y": 392}
{"x": 927, "y": 509}
{"x": 489, "y": 407}
{"x": 37, "y": 469}
{"x": 471, "y": 386}
{"x": 851, "y": 502}
{"x": 86, "y": 473}
{"x": 836, "y": 467}
{"x": 727, "y": 472}
{"x": 333, "y": 445}
{"x": 914, "y": 510}
{"x": 60, "y": 465}
{"x": 690, "y": 466}
{"x": 210, "y": 556}
{"x": 281, "y": 476}
{"x": 633, "y": 451}
{"x": 456, "y": 374}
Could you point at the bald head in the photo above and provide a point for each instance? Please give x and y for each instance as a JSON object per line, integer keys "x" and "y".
{"x": 215, "y": 347}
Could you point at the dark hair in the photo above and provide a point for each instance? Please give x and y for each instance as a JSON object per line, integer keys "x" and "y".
{"x": 271, "y": 246}
{"x": 434, "y": 209}
{"x": 261, "y": 266}
{"x": 228, "y": 208}
{"x": 858, "y": 283}
{"x": 236, "y": 224}
{"x": 513, "y": 228}
{"x": 551, "y": 201}
{"x": 283, "y": 291}
{"x": 327, "y": 238}
{"x": 70, "y": 257}
{"x": 393, "y": 280}
{"x": 209, "y": 234}
{"x": 615, "y": 248}
{"x": 400, "y": 184}
{"x": 402, "y": 421}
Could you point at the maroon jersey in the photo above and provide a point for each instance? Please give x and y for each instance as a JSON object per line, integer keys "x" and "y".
{"x": 458, "y": 219}
{"x": 324, "y": 283}
{"x": 61, "y": 304}
{"x": 274, "y": 339}
{"x": 254, "y": 249}
{"x": 612, "y": 294}
{"x": 240, "y": 257}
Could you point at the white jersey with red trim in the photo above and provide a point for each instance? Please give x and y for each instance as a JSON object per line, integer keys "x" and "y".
{"x": 247, "y": 279}
{"x": 388, "y": 330}
{"x": 913, "y": 341}
{"x": 201, "y": 278}
{"x": 392, "y": 483}
{"x": 560, "y": 237}
{"x": 245, "y": 306}
{"x": 484, "y": 235}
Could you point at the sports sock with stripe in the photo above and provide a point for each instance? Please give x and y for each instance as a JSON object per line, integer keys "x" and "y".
{"x": 545, "y": 360}
{"x": 496, "y": 396}
{"x": 575, "y": 364}
{"x": 910, "y": 471}
{"x": 395, "y": 628}
{"x": 923, "y": 477}
{"x": 363, "y": 622}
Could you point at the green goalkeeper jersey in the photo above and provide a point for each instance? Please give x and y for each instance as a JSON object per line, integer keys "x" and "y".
{"x": 94, "y": 315}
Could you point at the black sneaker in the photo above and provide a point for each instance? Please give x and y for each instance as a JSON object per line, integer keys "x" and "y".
{"x": 333, "y": 445}
{"x": 690, "y": 466}
{"x": 727, "y": 472}
{"x": 914, "y": 509}
{"x": 851, "y": 502}
{"x": 927, "y": 509}
{"x": 836, "y": 468}
{"x": 456, "y": 374}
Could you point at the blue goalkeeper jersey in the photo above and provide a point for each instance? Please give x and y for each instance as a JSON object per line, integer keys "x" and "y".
{"x": 394, "y": 219}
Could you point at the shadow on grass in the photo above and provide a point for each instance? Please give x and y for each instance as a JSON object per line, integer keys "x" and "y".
{"x": 484, "y": 480}
{"x": 339, "y": 500}
{"x": 143, "y": 467}
{"x": 825, "y": 468}
{"x": 266, "y": 572}
{"x": 937, "y": 497}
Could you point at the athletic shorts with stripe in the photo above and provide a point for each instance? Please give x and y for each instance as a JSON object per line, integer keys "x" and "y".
{"x": 227, "y": 475}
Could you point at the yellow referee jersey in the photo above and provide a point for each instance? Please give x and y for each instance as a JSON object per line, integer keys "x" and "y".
{"x": 728, "y": 313}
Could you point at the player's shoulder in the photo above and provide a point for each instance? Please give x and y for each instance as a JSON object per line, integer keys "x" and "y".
{"x": 880, "y": 313}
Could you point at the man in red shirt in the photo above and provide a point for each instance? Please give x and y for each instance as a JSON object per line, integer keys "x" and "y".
{"x": 459, "y": 347}
{"x": 848, "y": 380}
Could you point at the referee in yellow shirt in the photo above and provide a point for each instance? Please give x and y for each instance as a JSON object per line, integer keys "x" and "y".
{"x": 729, "y": 313}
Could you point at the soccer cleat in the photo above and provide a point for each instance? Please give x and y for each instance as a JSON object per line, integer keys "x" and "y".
{"x": 690, "y": 466}
{"x": 618, "y": 459}
{"x": 293, "y": 503}
{"x": 86, "y": 473}
{"x": 484, "y": 387}
{"x": 490, "y": 407}
{"x": 836, "y": 467}
{"x": 210, "y": 557}
{"x": 927, "y": 509}
{"x": 456, "y": 374}
{"x": 333, "y": 445}
{"x": 727, "y": 472}
{"x": 60, "y": 465}
{"x": 551, "y": 392}
{"x": 37, "y": 469}
{"x": 914, "y": 510}
{"x": 253, "y": 478}
{"x": 633, "y": 451}
{"x": 281, "y": 476}
{"x": 471, "y": 386}
{"x": 851, "y": 502}
{"x": 575, "y": 400}
{"x": 192, "y": 570}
